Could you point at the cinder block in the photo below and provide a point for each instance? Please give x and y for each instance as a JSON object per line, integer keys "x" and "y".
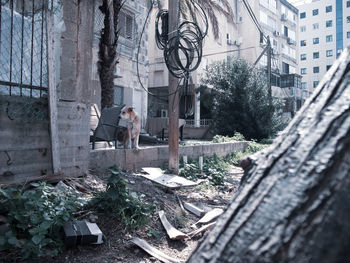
{"x": 186, "y": 150}
{"x": 163, "y": 153}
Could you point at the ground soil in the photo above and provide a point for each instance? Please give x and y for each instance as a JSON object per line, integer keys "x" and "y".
{"x": 117, "y": 246}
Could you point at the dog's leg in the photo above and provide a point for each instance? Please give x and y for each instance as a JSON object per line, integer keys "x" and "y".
{"x": 137, "y": 142}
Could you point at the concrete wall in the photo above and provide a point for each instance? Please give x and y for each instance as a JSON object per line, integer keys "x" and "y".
{"x": 156, "y": 156}
{"x": 25, "y": 145}
{"x": 24, "y": 140}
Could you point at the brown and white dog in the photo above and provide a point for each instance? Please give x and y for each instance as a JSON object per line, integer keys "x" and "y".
{"x": 131, "y": 139}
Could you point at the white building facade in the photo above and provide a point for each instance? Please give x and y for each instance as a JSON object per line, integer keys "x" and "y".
{"x": 324, "y": 31}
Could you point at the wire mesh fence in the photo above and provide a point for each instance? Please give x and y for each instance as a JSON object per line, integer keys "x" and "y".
{"x": 23, "y": 67}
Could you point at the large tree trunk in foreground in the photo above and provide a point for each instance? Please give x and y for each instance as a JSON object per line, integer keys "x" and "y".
{"x": 294, "y": 201}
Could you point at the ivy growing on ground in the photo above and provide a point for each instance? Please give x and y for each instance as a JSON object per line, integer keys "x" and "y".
{"x": 118, "y": 202}
{"x": 35, "y": 218}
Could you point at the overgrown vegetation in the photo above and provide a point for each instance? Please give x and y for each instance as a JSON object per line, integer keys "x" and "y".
{"x": 118, "y": 202}
{"x": 236, "y": 95}
{"x": 35, "y": 218}
{"x": 215, "y": 169}
{"x": 237, "y": 137}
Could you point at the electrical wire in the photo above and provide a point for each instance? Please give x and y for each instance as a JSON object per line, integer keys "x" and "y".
{"x": 183, "y": 51}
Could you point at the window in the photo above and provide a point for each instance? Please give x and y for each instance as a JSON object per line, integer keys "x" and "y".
{"x": 329, "y": 23}
{"x": 347, "y": 3}
{"x": 315, "y": 12}
{"x": 316, "y": 83}
{"x": 125, "y": 25}
{"x": 339, "y": 52}
{"x": 316, "y": 40}
{"x": 302, "y": 28}
{"x": 303, "y": 71}
{"x": 303, "y": 85}
{"x": 303, "y": 43}
{"x": 315, "y": 26}
{"x": 303, "y": 57}
{"x": 316, "y": 69}
{"x": 328, "y": 67}
{"x": 348, "y": 19}
{"x": 329, "y": 53}
{"x": 329, "y": 38}
{"x": 285, "y": 68}
{"x": 303, "y": 15}
{"x": 285, "y": 31}
{"x": 316, "y": 55}
{"x": 328, "y": 9}
{"x": 347, "y": 34}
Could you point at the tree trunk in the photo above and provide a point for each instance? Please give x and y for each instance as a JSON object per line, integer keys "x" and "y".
{"x": 108, "y": 50}
{"x": 294, "y": 201}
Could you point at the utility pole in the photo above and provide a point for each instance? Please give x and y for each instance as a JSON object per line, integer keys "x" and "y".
{"x": 173, "y": 108}
{"x": 269, "y": 70}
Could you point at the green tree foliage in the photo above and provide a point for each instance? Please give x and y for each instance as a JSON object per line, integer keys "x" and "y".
{"x": 237, "y": 95}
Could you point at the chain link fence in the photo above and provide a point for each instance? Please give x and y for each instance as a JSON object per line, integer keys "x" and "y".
{"x": 23, "y": 54}
{"x": 23, "y": 48}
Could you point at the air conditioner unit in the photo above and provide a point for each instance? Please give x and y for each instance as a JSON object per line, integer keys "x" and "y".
{"x": 284, "y": 17}
{"x": 164, "y": 113}
{"x": 239, "y": 41}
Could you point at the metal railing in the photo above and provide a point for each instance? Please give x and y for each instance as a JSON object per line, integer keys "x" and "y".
{"x": 23, "y": 55}
{"x": 202, "y": 123}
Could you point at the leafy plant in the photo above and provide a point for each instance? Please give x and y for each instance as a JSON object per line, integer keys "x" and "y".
{"x": 36, "y": 217}
{"x": 236, "y": 137}
{"x": 216, "y": 168}
{"x": 117, "y": 200}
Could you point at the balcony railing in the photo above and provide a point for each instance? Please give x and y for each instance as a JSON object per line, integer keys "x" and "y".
{"x": 202, "y": 123}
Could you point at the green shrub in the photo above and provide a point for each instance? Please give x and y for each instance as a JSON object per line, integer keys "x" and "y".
{"x": 236, "y": 137}
{"x": 117, "y": 201}
{"x": 36, "y": 217}
{"x": 216, "y": 168}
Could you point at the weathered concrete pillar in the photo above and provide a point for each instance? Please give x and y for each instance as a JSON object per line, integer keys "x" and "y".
{"x": 74, "y": 88}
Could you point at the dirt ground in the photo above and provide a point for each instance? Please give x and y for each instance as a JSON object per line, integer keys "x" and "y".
{"x": 117, "y": 245}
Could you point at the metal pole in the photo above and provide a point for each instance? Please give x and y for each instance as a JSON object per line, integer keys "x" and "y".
{"x": 173, "y": 108}
{"x": 269, "y": 70}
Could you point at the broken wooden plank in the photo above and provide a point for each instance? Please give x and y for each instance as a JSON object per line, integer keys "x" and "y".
{"x": 201, "y": 229}
{"x": 211, "y": 215}
{"x": 172, "y": 232}
{"x": 194, "y": 209}
{"x": 153, "y": 251}
{"x": 167, "y": 180}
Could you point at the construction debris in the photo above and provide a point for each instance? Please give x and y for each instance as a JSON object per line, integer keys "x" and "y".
{"x": 172, "y": 232}
{"x": 193, "y": 209}
{"x": 168, "y": 180}
{"x": 211, "y": 215}
{"x": 153, "y": 251}
{"x": 199, "y": 230}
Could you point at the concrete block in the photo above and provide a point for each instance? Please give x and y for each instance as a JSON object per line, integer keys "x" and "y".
{"x": 163, "y": 153}
{"x": 186, "y": 150}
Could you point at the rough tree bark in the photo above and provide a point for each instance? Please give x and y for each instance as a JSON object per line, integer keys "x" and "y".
{"x": 294, "y": 201}
{"x": 107, "y": 53}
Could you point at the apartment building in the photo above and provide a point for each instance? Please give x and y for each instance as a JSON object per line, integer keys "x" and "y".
{"x": 324, "y": 31}
{"x": 214, "y": 49}
{"x": 279, "y": 21}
